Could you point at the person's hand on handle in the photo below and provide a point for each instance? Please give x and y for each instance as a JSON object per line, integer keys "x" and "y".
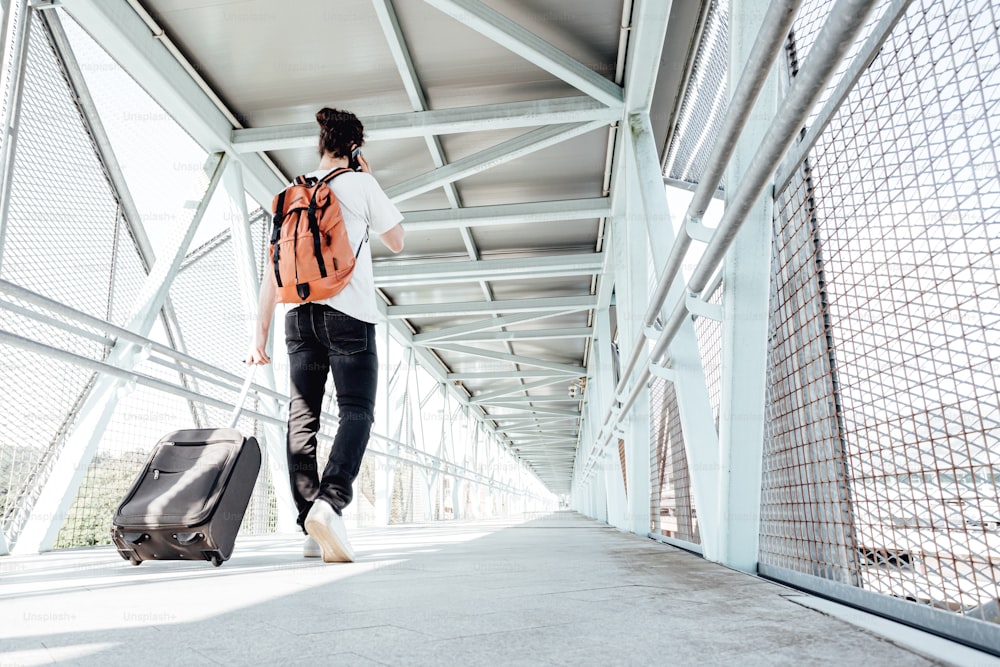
{"x": 257, "y": 355}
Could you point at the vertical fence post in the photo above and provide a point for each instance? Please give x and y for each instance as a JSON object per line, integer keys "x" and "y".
{"x": 632, "y": 304}
{"x": 746, "y": 290}
{"x": 693, "y": 404}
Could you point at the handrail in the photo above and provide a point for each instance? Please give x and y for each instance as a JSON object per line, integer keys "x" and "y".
{"x": 408, "y": 453}
{"x": 15, "y": 291}
{"x": 834, "y": 40}
{"x": 776, "y": 24}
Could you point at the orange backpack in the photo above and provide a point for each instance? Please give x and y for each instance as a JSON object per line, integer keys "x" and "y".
{"x": 310, "y": 250}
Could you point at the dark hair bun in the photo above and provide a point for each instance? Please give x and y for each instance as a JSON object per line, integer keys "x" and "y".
{"x": 339, "y": 132}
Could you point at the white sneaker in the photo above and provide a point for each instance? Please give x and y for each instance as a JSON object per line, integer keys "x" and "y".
{"x": 327, "y": 528}
{"x": 311, "y": 549}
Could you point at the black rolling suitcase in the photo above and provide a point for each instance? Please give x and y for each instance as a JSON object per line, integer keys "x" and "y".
{"x": 189, "y": 499}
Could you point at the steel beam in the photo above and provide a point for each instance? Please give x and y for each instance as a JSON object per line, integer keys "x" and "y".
{"x": 386, "y": 14}
{"x": 509, "y": 150}
{"x": 501, "y": 375}
{"x": 567, "y": 369}
{"x": 457, "y": 332}
{"x": 391, "y": 273}
{"x": 507, "y": 214}
{"x": 530, "y": 409}
{"x": 645, "y": 46}
{"x": 746, "y": 300}
{"x": 537, "y": 399}
{"x": 421, "y": 123}
{"x": 515, "y": 389}
{"x": 545, "y": 305}
{"x": 525, "y": 334}
{"x": 145, "y": 56}
{"x": 497, "y": 27}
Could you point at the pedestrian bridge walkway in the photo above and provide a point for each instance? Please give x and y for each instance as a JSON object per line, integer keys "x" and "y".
{"x": 555, "y": 589}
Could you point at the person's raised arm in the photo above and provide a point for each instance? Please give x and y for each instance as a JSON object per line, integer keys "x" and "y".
{"x": 265, "y": 314}
{"x": 393, "y": 239}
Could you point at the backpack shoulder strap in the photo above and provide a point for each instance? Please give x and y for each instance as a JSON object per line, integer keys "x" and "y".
{"x": 360, "y": 245}
{"x": 334, "y": 174}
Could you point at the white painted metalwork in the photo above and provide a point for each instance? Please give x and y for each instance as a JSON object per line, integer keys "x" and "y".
{"x": 459, "y": 332}
{"x": 511, "y": 149}
{"x": 746, "y": 290}
{"x": 45, "y": 517}
{"x": 127, "y": 38}
{"x": 846, "y": 19}
{"x": 507, "y": 214}
{"x": 547, "y": 304}
{"x": 13, "y": 58}
{"x": 891, "y": 16}
{"x": 422, "y": 123}
{"x": 392, "y": 273}
{"x": 510, "y": 35}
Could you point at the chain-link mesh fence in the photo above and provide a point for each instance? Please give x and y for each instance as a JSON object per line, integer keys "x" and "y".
{"x": 883, "y": 385}
{"x": 672, "y": 509}
{"x": 806, "y": 522}
{"x": 90, "y": 263}
{"x": 703, "y": 108}
{"x": 709, "y": 335}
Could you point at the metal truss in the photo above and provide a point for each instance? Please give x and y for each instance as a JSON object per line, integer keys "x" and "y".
{"x": 423, "y": 123}
{"x": 57, "y": 489}
{"x": 497, "y": 27}
{"x": 554, "y": 266}
{"x": 721, "y": 493}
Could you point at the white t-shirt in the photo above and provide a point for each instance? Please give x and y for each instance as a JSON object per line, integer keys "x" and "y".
{"x": 365, "y": 208}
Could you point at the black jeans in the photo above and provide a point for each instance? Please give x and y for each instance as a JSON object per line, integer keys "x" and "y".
{"x": 320, "y": 340}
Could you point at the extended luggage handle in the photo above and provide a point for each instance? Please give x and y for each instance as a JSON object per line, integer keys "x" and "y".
{"x": 242, "y": 397}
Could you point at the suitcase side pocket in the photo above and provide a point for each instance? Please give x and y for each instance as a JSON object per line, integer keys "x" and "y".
{"x": 178, "y": 486}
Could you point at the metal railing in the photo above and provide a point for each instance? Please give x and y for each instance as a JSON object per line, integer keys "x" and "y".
{"x": 838, "y": 35}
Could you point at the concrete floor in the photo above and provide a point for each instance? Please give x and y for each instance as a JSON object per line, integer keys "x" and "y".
{"x": 556, "y": 590}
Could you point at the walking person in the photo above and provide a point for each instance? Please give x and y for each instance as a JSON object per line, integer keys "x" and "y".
{"x": 332, "y": 335}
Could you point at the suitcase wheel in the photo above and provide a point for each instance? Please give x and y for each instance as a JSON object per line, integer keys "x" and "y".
{"x": 216, "y": 560}
{"x": 187, "y": 539}
{"x": 135, "y": 561}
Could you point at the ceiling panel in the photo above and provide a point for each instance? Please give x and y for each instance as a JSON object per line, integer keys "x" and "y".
{"x": 263, "y": 60}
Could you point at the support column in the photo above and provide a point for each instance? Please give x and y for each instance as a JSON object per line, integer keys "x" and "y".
{"x": 694, "y": 406}
{"x": 624, "y": 253}
{"x": 60, "y": 487}
{"x": 642, "y": 227}
{"x": 246, "y": 273}
{"x": 746, "y": 291}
